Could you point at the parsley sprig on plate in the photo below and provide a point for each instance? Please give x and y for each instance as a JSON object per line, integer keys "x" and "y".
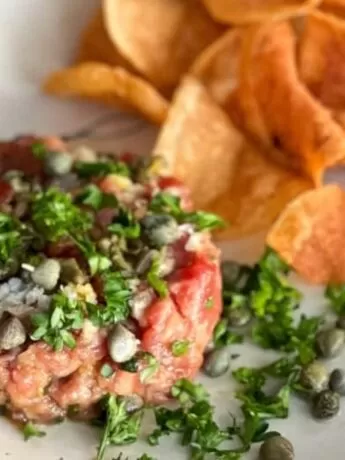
{"x": 164, "y": 202}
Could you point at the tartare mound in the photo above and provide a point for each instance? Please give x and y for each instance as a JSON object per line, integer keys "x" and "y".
{"x": 109, "y": 281}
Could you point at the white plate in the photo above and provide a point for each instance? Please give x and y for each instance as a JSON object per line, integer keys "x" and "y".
{"x": 38, "y": 36}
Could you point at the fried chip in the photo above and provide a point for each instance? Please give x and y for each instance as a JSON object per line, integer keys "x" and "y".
{"x": 251, "y": 11}
{"x": 113, "y": 86}
{"x": 217, "y": 66}
{"x": 161, "y": 38}
{"x": 254, "y": 199}
{"x": 273, "y": 105}
{"x": 310, "y": 235}
{"x": 322, "y": 59}
{"x": 336, "y": 7}
{"x": 199, "y": 143}
{"x": 95, "y": 45}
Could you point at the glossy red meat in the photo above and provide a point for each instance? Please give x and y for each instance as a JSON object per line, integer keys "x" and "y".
{"x": 41, "y": 384}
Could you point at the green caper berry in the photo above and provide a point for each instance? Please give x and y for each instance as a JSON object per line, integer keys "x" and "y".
{"x": 217, "y": 362}
{"x": 337, "y": 381}
{"x": 330, "y": 342}
{"x": 325, "y": 404}
{"x": 314, "y": 377}
{"x": 276, "y": 448}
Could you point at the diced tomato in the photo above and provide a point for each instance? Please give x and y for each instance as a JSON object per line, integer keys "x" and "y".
{"x": 6, "y": 192}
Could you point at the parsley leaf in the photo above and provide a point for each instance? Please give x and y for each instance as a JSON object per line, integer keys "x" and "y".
{"x": 166, "y": 203}
{"x": 154, "y": 280}
{"x": 93, "y": 196}
{"x": 55, "y": 326}
{"x": 39, "y": 150}
{"x": 336, "y": 295}
{"x": 125, "y": 225}
{"x": 151, "y": 366}
{"x": 31, "y": 431}
{"x": 10, "y": 237}
{"x": 180, "y": 347}
{"x": 116, "y": 294}
{"x": 222, "y": 336}
{"x": 120, "y": 428}
{"x": 55, "y": 216}
{"x": 98, "y": 262}
{"x": 106, "y": 371}
{"x": 87, "y": 170}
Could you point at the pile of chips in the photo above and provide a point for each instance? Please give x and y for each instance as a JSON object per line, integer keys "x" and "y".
{"x": 250, "y": 96}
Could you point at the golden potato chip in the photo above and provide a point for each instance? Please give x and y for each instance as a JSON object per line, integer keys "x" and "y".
{"x": 322, "y": 59}
{"x": 95, "y": 45}
{"x": 217, "y": 66}
{"x": 250, "y": 11}
{"x": 259, "y": 191}
{"x": 161, "y": 38}
{"x": 199, "y": 143}
{"x": 300, "y": 132}
{"x": 336, "y": 7}
{"x": 310, "y": 235}
{"x": 113, "y": 86}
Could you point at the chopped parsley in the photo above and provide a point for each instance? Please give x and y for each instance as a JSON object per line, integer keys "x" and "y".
{"x": 150, "y": 367}
{"x": 93, "y": 196}
{"x": 119, "y": 427}
{"x": 56, "y": 326}
{"x": 88, "y": 170}
{"x": 336, "y": 296}
{"x": 166, "y": 203}
{"x": 154, "y": 280}
{"x": 209, "y": 302}
{"x": 106, "y": 371}
{"x": 125, "y": 225}
{"x": 180, "y": 347}
{"x": 222, "y": 336}
{"x": 10, "y": 237}
{"x": 55, "y": 216}
{"x": 116, "y": 294}
{"x": 39, "y": 150}
{"x": 31, "y": 431}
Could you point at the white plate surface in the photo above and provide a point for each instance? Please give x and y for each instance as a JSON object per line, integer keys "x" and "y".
{"x": 36, "y": 37}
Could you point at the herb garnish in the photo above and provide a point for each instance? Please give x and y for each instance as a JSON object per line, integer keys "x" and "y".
{"x": 55, "y": 326}
{"x": 116, "y": 294}
{"x": 87, "y": 170}
{"x": 125, "y": 225}
{"x": 10, "y": 236}
{"x": 31, "y": 431}
{"x": 164, "y": 202}
{"x": 154, "y": 280}
{"x": 222, "y": 336}
{"x": 55, "y": 216}
{"x": 119, "y": 427}
{"x": 106, "y": 371}
{"x": 180, "y": 347}
{"x": 93, "y": 196}
{"x": 336, "y": 296}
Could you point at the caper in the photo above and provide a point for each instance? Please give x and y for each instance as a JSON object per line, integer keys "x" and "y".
{"x": 47, "y": 274}
{"x": 12, "y": 333}
{"x": 122, "y": 344}
{"x": 276, "y": 448}
{"x": 84, "y": 154}
{"x": 330, "y": 342}
{"x": 133, "y": 402}
{"x": 71, "y": 272}
{"x": 140, "y": 301}
{"x": 217, "y": 362}
{"x": 58, "y": 163}
{"x": 234, "y": 275}
{"x": 239, "y": 317}
{"x": 314, "y": 376}
{"x": 159, "y": 229}
{"x": 325, "y": 404}
{"x": 337, "y": 381}
{"x": 341, "y": 322}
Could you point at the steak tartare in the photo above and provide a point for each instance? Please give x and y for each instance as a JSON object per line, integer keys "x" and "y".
{"x": 109, "y": 281}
